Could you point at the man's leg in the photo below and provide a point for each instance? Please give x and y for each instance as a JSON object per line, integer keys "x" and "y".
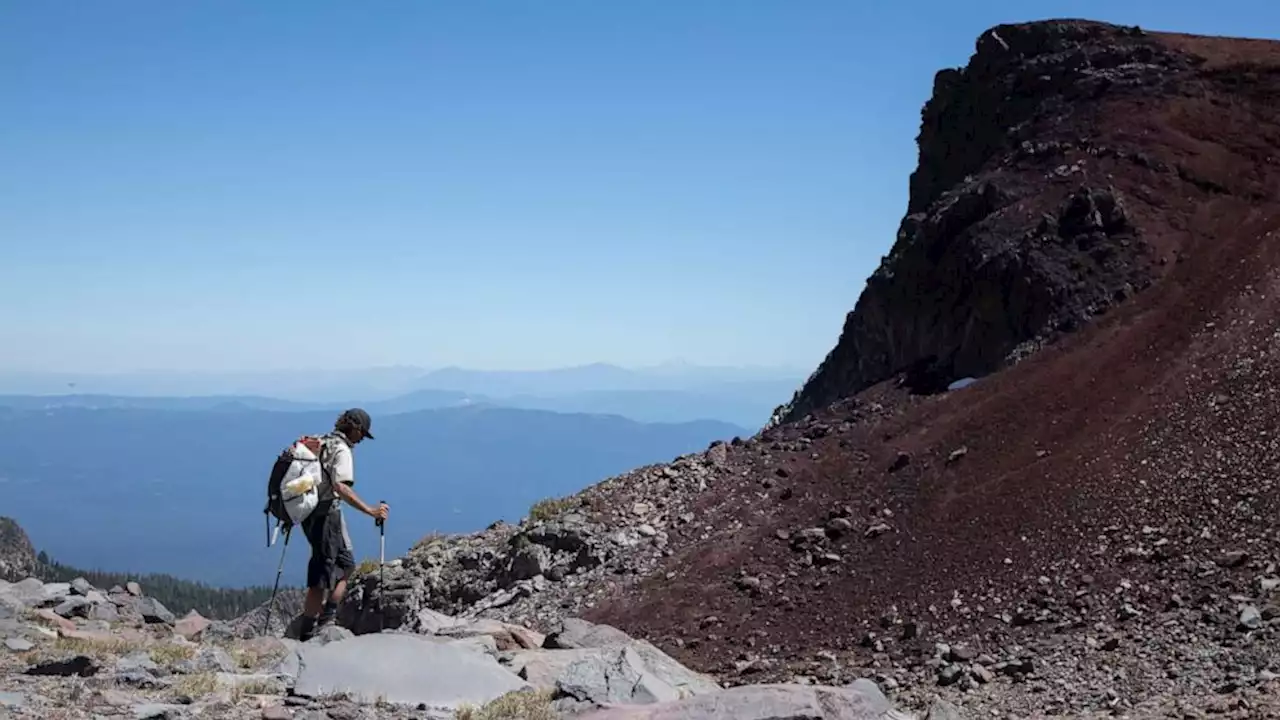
{"x": 343, "y": 556}
{"x": 319, "y": 572}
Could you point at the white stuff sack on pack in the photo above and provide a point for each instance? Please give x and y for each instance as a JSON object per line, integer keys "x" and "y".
{"x": 299, "y": 489}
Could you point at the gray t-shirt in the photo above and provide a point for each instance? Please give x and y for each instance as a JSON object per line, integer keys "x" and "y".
{"x": 339, "y": 465}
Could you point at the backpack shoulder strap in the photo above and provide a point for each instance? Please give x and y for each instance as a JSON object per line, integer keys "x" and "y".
{"x": 323, "y": 453}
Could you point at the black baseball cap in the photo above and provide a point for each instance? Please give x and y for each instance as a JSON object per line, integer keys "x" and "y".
{"x": 357, "y": 418}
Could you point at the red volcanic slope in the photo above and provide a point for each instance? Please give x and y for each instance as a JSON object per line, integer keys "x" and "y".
{"x": 1141, "y": 182}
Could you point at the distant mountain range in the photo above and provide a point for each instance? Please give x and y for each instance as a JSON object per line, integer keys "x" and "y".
{"x": 178, "y": 487}
{"x": 667, "y": 393}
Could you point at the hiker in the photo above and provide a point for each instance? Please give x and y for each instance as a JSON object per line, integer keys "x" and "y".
{"x": 331, "y": 552}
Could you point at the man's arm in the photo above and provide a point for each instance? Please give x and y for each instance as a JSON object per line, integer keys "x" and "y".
{"x": 344, "y": 491}
{"x": 343, "y": 477}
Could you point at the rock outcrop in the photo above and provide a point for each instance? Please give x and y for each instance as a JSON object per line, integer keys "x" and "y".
{"x": 1009, "y": 238}
{"x": 18, "y": 558}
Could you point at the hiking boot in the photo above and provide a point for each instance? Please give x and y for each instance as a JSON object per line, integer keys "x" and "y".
{"x": 306, "y": 628}
{"x": 328, "y": 615}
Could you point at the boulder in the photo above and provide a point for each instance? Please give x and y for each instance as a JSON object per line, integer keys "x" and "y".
{"x": 400, "y": 668}
{"x": 105, "y": 612}
{"x": 638, "y": 673}
{"x": 153, "y": 611}
{"x": 431, "y": 621}
{"x": 328, "y": 634}
{"x": 18, "y": 644}
{"x": 940, "y": 709}
{"x": 761, "y": 702}
{"x": 73, "y": 606}
{"x": 191, "y": 625}
{"x": 577, "y": 633}
{"x": 484, "y": 644}
{"x": 506, "y": 635}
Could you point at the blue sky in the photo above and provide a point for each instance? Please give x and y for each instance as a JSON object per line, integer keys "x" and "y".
{"x": 260, "y": 185}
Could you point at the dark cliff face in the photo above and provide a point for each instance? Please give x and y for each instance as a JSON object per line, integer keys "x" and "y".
{"x": 1003, "y": 248}
{"x": 17, "y": 556}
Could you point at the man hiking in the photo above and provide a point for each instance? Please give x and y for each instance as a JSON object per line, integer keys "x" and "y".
{"x": 331, "y": 552}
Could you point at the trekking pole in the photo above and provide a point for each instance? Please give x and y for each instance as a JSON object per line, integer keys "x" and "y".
{"x": 266, "y": 627}
{"x": 382, "y": 558}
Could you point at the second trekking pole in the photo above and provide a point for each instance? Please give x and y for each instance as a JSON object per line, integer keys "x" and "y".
{"x": 266, "y": 626}
{"x": 382, "y": 559}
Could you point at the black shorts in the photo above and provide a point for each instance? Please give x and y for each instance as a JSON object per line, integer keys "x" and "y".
{"x": 331, "y": 552}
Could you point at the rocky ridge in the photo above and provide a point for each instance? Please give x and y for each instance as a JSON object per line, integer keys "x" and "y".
{"x": 1012, "y": 235}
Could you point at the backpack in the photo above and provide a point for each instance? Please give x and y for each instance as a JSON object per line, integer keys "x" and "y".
{"x": 293, "y": 488}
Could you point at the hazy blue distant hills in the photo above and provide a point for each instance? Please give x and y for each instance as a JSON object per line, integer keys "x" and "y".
{"x": 669, "y": 393}
{"x": 420, "y": 400}
{"x": 179, "y": 490}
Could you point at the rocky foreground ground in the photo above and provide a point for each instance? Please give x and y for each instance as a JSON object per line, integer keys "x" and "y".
{"x": 74, "y": 651}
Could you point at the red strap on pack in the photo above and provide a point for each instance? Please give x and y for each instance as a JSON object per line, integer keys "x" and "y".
{"x": 313, "y": 444}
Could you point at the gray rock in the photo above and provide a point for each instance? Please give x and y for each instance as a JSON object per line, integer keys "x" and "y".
{"x": 19, "y": 644}
{"x": 159, "y": 711}
{"x": 401, "y": 668}
{"x": 505, "y": 635}
{"x": 485, "y": 644}
{"x": 1250, "y": 618}
{"x": 54, "y": 594}
{"x": 105, "y": 612}
{"x": 273, "y": 684}
{"x": 759, "y": 702}
{"x": 290, "y": 665}
{"x": 207, "y": 659}
{"x": 80, "y": 586}
{"x": 527, "y": 563}
{"x": 31, "y": 593}
{"x": 872, "y": 693}
{"x": 942, "y": 710}
{"x": 73, "y": 606}
{"x": 636, "y": 674}
{"x": 431, "y": 621}
{"x": 577, "y": 633}
{"x": 141, "y": 680}
{"x": 115, "y": 698}
{"x": 137, "y": 662}
{"x": 12, "y": 700}
{"x": 133, "y": 588}
{"x": 218, "y": 631}
{"x": 330, "y": 634}
{"x": 153, "y": 611}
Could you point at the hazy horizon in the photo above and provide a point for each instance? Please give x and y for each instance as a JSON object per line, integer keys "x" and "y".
{"x": 776, "y": 368}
